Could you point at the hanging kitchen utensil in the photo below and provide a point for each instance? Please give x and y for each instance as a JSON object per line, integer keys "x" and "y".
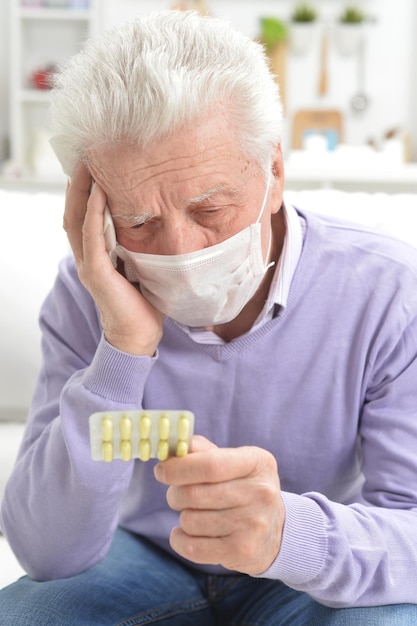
{"x": 323, "y": 76}
{"x": 360, "y": 100}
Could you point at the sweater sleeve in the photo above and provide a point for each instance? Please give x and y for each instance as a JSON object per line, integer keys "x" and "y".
{"x": 364, "y": 553}
{"x": 60, "y": 508}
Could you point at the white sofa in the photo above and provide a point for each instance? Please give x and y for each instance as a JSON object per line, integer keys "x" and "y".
{"x": 33, "y": 242}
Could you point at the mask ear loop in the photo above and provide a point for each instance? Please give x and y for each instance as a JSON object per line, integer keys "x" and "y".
{"x": 268, "y": 183}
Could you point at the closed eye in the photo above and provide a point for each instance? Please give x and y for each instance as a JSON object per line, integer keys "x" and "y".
{"x": 210, "y": 213}
{"x": 134, "y": 221}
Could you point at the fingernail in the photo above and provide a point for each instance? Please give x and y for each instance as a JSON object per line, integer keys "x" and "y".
{"x": 159, "y": 472}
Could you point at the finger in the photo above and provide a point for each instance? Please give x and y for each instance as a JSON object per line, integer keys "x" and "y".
{"x": 201, "y": 550}
{"x": 205, "y": 496}
{"x": 256, "y": 492}
{"x": 200, "y": 444}
{"x": 94, "y": 246}
{"x": 243, "y": 551}
{"x": 77, "y": 194}
{"x": 212, "y": 466}
{"x": 212, "y": 523}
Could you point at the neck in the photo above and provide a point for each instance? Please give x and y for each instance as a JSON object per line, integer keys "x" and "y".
{"x": 250, "y": 312}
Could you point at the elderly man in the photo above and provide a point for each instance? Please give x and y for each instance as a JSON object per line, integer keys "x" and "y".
{"x": 292, "y": 338}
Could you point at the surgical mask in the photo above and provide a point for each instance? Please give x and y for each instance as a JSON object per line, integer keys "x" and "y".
{"x": 206, "y": 287}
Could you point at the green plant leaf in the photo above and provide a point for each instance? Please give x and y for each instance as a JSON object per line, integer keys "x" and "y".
{"x": 304, "y": 13}
{"x": 352, "y": 15}
{"x": 273, "y": 31}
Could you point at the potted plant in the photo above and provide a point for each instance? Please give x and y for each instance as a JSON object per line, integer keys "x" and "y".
{"x": 350, "y": 29}
{"x": 302, "y": 20}
{"x": 352, "y": 15}
{"x": 304, "y": 14}
{"x": 273, "y": 33}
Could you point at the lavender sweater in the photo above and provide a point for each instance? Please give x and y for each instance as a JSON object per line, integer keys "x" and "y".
{"x": 329, "y": 386}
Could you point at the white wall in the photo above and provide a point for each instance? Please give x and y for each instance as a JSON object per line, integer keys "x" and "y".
{"x": 4, "y": 75}
{"x": 391, "y": 72}
{"x": 391, "y": 65}
{"x": 413, "y": 81}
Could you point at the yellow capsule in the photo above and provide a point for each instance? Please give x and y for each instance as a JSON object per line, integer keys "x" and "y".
{"x": 106, "y": 429}
{"x": 182, "y": 448}
{"x": 125, "y": 427}
{"x": 107, "y": 450}
{"x": 145, "y": 426}
{"x": 163, "y": 450}
{"x": 183, "y": 427}
{"x": 126, "y": 450}
{"x": 144, "y": 449}
{"x": 163, "y": 427}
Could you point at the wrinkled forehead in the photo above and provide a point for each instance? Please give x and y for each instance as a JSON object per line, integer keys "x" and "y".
{"x": 204, "y": 155}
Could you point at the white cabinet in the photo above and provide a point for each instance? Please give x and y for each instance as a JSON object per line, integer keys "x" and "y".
{"x": 44, "y": 34}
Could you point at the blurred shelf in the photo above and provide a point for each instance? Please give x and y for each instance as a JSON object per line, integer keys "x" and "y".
{"x": 395, "y": 179}
{"x": 44, "y": 13}
{"x": 390, "y": 180}
{"x": 56, "y": 184}
{"x": 40, "y": 37}
{"x": 34, "y": 95}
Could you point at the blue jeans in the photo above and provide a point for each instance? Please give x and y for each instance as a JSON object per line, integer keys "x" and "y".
{"x": 140, "y": 584}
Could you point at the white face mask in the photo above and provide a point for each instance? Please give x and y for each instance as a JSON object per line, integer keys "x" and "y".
{"x": 206, "y": 287}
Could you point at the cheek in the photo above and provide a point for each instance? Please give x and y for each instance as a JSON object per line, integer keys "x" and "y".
{"x": 276, "y": 196}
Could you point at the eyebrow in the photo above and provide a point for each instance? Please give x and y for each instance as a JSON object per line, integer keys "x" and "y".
{"x": 137, "y": 220}
{"x": 206, "y": 195}
{"x": 134, "y": 219}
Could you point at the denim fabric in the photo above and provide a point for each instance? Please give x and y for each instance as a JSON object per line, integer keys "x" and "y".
{"x": 140, "y": 584}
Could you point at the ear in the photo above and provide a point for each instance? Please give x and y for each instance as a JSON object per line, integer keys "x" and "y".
{"x": 277, "y": 184}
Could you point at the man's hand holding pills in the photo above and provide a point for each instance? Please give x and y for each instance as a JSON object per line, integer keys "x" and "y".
{"x": 231, "y": 510}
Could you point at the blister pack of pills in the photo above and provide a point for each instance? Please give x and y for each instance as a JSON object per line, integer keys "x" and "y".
{"x": 140, "y": 434}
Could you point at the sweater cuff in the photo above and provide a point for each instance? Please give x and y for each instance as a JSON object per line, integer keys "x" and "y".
{"x": 116, "y": 375}
{"x": 304, "y": 546}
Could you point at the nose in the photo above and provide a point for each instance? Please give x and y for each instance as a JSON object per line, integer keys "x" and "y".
{"x": 179, "y": 238}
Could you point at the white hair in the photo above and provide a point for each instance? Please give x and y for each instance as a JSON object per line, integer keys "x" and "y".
{"x": 143, "y": 80}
